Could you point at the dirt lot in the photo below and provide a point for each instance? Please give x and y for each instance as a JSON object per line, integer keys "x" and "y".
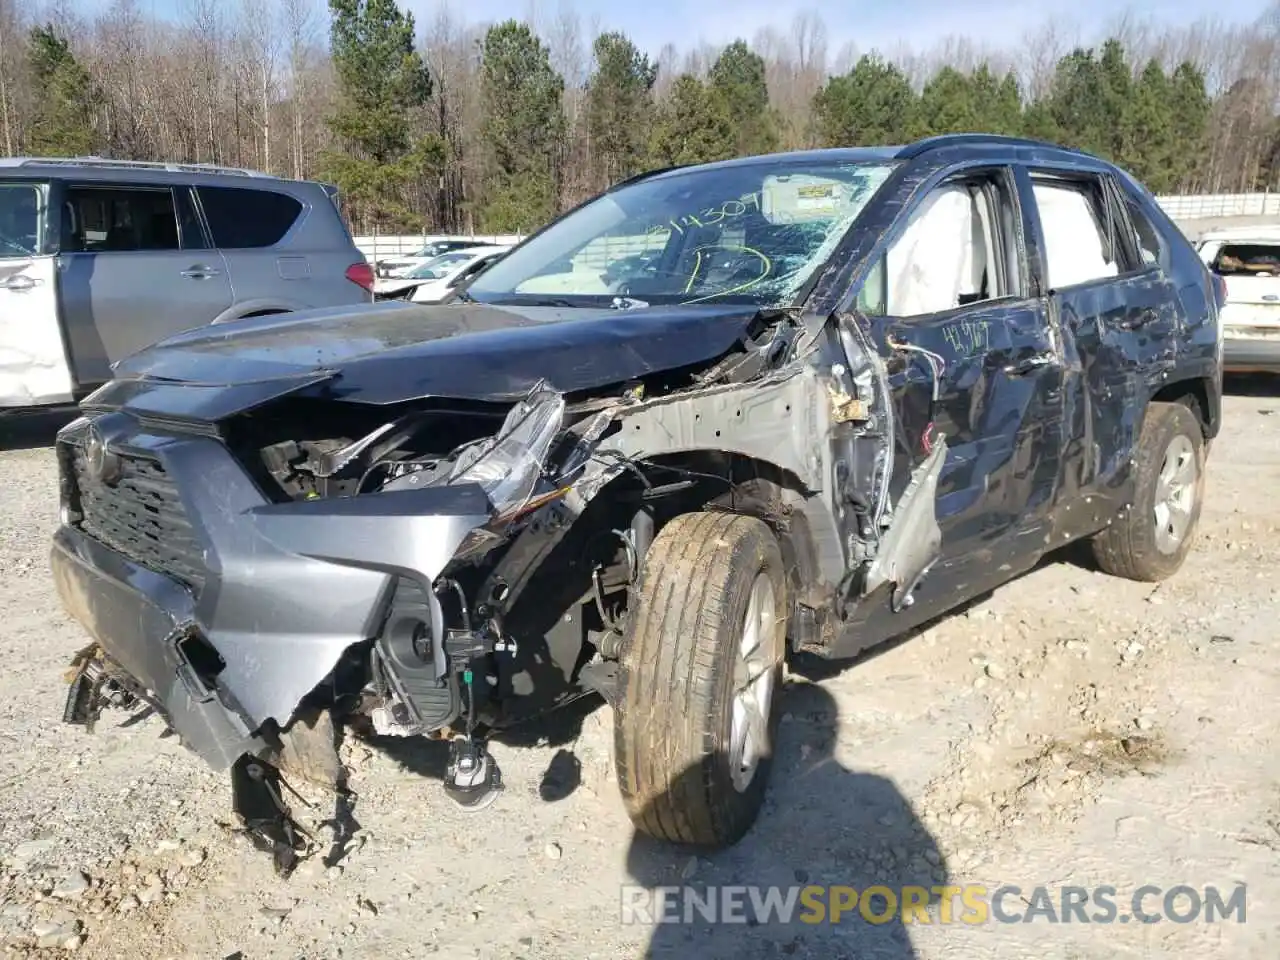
{"x": 1070, "y": 729}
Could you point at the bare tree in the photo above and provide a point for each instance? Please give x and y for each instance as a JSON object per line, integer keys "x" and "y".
{"x": 258, "y": 43}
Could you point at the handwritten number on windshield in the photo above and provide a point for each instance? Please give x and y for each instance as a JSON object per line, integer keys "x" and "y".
{"x": 728, "y": 210}
{"x": 766, "y": 267}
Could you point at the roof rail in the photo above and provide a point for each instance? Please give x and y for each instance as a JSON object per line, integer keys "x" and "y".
{"x": 104, "y": 163}
{"x": 960, "y": 139}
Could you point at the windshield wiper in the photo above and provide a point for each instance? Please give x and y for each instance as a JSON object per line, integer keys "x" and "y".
{"x": 628, "y": 303}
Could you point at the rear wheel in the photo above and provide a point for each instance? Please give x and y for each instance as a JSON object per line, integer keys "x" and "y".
{"x": 1151, "y": 539}
{"x": 701, "y": 663}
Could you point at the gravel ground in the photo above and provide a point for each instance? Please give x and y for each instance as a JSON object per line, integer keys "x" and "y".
{"x": 1069, "y": 729}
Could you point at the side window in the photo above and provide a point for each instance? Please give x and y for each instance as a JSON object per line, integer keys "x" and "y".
{"x": 240, "y": 218}
{"x": 19, "y": 219}
{"x": 1079, "y": 236}
{"x": 957, "y": 249}
{"x": 1150, "y": 244}
{"x": 122, "y": 219}
{"x": 193, "y": 237}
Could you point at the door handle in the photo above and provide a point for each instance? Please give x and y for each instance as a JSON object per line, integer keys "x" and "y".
{"x": 1037, "y": 361}
{"x": 1141, "y": 320}
{"x": 19, "y": 283}
{"x": 200, "y": 272}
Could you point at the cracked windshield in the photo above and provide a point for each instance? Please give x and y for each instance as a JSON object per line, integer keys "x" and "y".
{"x": 19, "y": 219}
{"x": 754, "y": 233}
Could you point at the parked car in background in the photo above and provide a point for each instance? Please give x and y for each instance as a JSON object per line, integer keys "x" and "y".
{"x": 401, "y": 265}
{"x": 432, "y": 281}
{"x": 99, "y": 258}
{"x": 1246, "y": 264}
{"x": 845, "y": 392}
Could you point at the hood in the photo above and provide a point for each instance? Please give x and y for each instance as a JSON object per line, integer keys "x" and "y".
{"x": 394, "y": 351}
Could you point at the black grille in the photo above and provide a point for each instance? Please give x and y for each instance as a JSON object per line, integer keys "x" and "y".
{"x": 140, "y": 516}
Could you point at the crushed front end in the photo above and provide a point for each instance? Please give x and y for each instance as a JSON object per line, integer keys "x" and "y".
{"x": 239, "y": 581}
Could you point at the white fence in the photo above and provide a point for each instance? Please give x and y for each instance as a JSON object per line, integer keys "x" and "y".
{"x": 1221, "y": 205}
{"x": 377, "y": 248}
{"x": 1199, "y": 207}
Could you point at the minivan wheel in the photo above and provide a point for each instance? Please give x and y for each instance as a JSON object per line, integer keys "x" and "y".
{"x": 701, "y": 664}
{"x": 1150, "y": 540}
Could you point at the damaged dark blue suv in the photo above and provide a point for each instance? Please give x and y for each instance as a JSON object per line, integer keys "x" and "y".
{"x": 713, "y": 417}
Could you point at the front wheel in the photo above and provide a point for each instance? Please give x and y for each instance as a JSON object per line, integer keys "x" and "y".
{"x": 701, "y": 663}
{"x": 1151, "y": 539}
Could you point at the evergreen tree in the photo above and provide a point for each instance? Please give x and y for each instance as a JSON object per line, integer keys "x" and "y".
{"x": 948, "y": 104}
{"x": 1189, "y": 107}
{"x": 620, "y": 107}
{"x": 737, "y": 81}
{"x": 65, "y": 96}
{"x": 524, "y": 128}
{"x": 1073, "y": 106}
{"x": 692, "y": 126}
{"x": 1150, "y": 155}
{"x": 383, "y": 83}
{"x": 1114, "y": 110}
{"x": 872, "y": 104}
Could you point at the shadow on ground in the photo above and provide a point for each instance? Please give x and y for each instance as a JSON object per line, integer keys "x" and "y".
{"x": 822, "y": 826}
{"x": 30, "y": 431}
{"x": 1251, "y": 385}
{"x": 558, "y": 729}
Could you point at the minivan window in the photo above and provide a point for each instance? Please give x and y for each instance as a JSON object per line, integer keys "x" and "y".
{"x": 242, "y": 219}
{"x": 118, "y": 220}
{"x": 19, "y": 219}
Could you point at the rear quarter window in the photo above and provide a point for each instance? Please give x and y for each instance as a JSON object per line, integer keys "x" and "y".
{"x": 245, "y": 219}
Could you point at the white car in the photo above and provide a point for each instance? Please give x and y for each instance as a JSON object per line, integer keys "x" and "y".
{"x": 1247, "y": 261}
{"x": 432, "y": 281}
{"x": 402, "y": 265}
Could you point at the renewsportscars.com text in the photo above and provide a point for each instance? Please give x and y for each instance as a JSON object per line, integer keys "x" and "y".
{"x": 968, "y": 904}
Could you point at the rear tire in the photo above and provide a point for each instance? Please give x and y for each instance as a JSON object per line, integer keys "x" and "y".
{"x": 701, "y": 663}
{"x": 1150, "y": 540}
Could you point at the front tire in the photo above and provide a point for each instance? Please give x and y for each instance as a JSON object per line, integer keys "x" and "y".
{"x": 701, "y": 663}
{"x": 1150, "y": 540}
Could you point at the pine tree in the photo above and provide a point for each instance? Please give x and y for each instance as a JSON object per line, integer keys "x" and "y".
{"x": 872, "y": 104}
{"x": 65, "y": 96}
{"x": 1150, "y": 155}
{"x": 947, "y": 104}
{"x": 383, "y": 83}
{"x": 524, "y": 128}
{"x": 1190, "y": 107}
{"x": 692, "y": 126}
{"x": 737, "y": 81}
{"x": 619, "y": 107}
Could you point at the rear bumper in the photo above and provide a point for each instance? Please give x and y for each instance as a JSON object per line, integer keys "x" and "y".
{"x": 1250, "y": 355}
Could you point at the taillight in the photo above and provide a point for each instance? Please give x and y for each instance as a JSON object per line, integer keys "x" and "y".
{"x": 1220, "y": 290}
{"x": 361, "y": 274}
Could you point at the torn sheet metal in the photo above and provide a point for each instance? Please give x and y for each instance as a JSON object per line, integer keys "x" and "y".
{"x": 914, "y": 540}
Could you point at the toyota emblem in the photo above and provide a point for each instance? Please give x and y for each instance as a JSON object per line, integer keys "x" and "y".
{"x": 103, "y": 465}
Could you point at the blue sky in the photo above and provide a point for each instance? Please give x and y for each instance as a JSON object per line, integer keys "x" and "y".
{"x": 867, "y": 23}
{"x": 881, "y": 24}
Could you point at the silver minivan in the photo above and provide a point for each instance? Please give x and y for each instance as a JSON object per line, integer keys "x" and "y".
{"x": 101, "y": 258}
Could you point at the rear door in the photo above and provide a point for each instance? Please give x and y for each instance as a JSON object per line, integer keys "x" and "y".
{"x": 33, "y": 361}
{"x": 134, "y": 267}
{"x": 1117, "y": 312}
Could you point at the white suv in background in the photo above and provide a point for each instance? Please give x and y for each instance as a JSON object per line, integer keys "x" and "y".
{"x": 1246, "y": 260}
